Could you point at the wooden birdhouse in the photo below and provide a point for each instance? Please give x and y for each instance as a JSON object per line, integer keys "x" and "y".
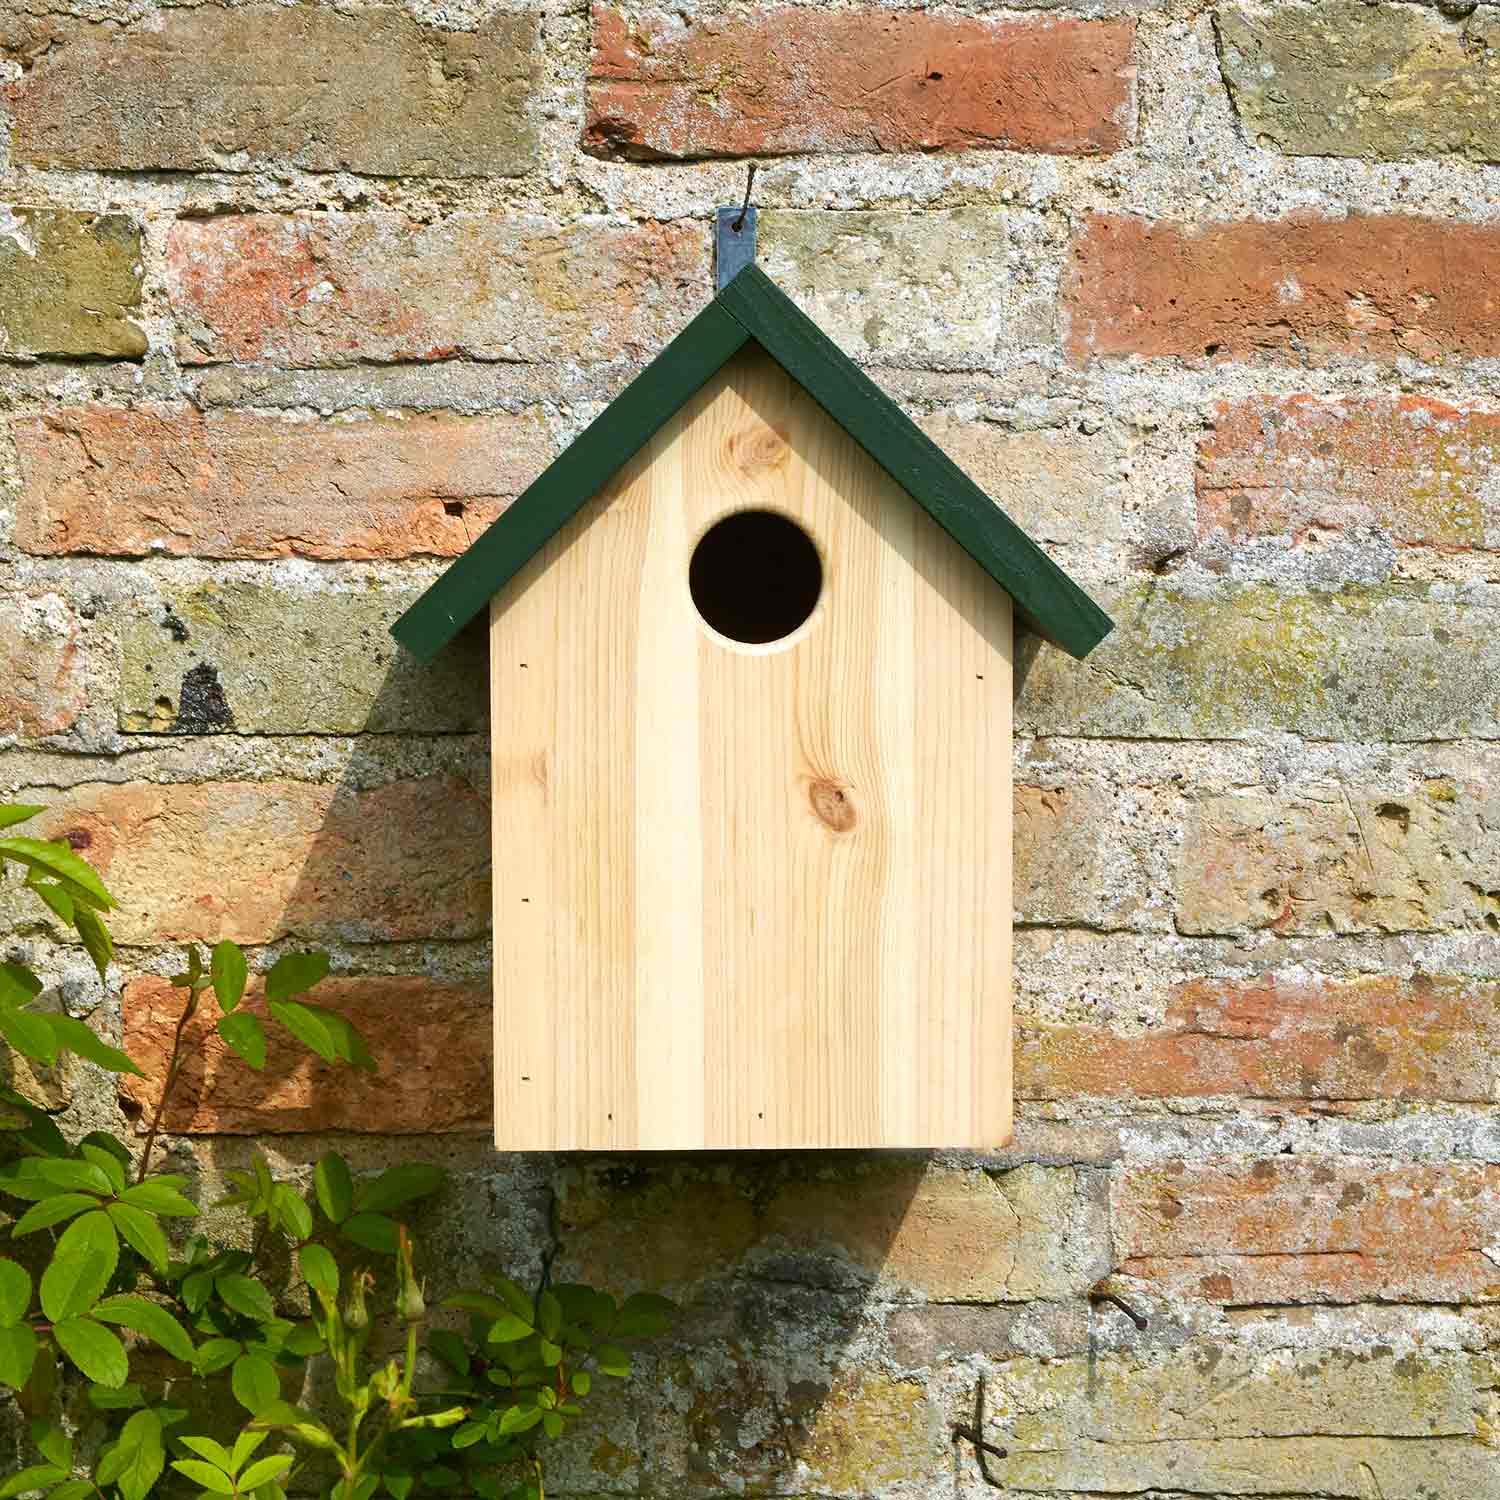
{"x": 750, "y": 669}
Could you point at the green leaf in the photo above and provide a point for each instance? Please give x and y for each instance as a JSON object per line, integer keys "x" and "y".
{"x": 551, "y": 1353}
{"x": 15, "y": 1295}
{"x": 107, "y": 1162}
{"x": 485, "y": 1305}
{"x": 469, "y": 1434}
{"x": 282, "y": 1416}
{"x": 94, "y": 935}
{"x": 449, "y": 1348}
{"x": 399, "y": 1485}
{"x": 137, "y": 1458}
{"x": 39, "y": 1177}
{"x": 612, "y": 1360}
{"x": 397, "y": 1186}
{"x": 18, "y": 984}
{"x": 82, "y": 1263}
{"x": 245, "y": 1295}
{"x": 123, "y": 1398}
{"x": 71, "y": 1489}
{"x": 335, "y": 1188}
{"x": 372, "y": 1231}
{"x": 37, "y": 1477}
{"x": 254, "y": 1382}
{"x": 17, "y": 1354}
{"x": 214, "y": 1355}
{"x": 548, "y": 1314}
{"x": 552, "y": 1424}
{"x": 52, "y": 1442}
{"x": 94, "y": 1349}
{"x": 294, "y": 1214}
{"x": 507, "y": 1328}
{"x": 228, "y": 970}
{"x": 319, "y": 1270}
{"x": 519, "y": 1418}
{"x": 56, "y": 859}
{"x": 644, "y": 1315}
{"x": 18, "y": 812}
{"x": 160, "y": 1195}
{"x": 244, "y": 1445}
{"x": 582, "y": 1382}
{"x": 57, "y": 899}
{"x": 205, "y": 1476}
{"x": 142, "y": 1233}
{"x": 77, "y": 1037}
{"x": 295, "y": 972}
{"x": 215, "y": 1452}
{"x": 52, "y": 1211}
{"x": 245, "y": 1037}
{"x": 29, "y": 1034}
{"x": 158, "y": 1325}
{"x": 263, "y": 1469}
{"x": 514, "y": 1298}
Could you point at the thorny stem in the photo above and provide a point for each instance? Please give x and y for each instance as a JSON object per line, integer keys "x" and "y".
{"x": 173, "y": 1068}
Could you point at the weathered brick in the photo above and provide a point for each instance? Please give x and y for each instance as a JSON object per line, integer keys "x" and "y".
{"x": 930, "y": 287}
{"x": 1374, "y": 286}
{"x": 42, "y": 681}
{"x": 70, "y": 284}
{"x": 1233, "y": 661}
{"x": 787, "y": 79}
{"x": 1421, "y": 472}
{"x": 1206, "y": 1420}
{"x": 1071, "y": 864}
{"x": 430, "y": 1042}
{"x": 1332, "y": 860}
{"x": 129, "y": 483}
{"x": 949, "y": 1235}
{"x": 251, "y": 658}
{"x": 258, "y": 861}
{"x": 1291, "y": 1230}
{"x": 1283, "y": 1038}
{"x": 228, "y": 89}
{"x": 1059, "y": 485}
{"x": 335, "y": 289}
{"x": 1348, "y": 79}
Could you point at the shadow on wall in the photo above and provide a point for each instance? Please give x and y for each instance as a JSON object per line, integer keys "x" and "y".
{"x": 776, "y": 1260}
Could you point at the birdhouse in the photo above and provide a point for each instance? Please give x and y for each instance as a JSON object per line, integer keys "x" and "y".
{"x": 750, "y": 686}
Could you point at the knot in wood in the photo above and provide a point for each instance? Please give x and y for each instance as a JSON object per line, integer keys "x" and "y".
{"x": 758, "y": 448}
{"x": 833, "y": 805}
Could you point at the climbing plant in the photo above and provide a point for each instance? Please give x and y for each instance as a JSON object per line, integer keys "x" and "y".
{"x": 103, "y": 1269}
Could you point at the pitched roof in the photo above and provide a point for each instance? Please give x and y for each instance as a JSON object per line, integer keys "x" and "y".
{"x": 752, "y": 307}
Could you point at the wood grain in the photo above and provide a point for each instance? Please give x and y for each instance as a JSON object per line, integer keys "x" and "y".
{"x": 751, "y": 896}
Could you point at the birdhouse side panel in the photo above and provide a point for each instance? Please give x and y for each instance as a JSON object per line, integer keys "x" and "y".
{"x": 752, "y": 893}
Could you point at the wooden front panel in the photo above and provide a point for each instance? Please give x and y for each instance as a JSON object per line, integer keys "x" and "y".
{"x": 751, "y": 896}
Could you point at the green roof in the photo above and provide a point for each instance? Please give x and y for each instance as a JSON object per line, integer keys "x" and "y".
{"x": 752, "y": 308}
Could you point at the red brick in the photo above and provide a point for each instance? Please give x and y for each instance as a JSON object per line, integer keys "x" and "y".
{"x": 42, "y": 683}
{"x": 333, "y": 289}
{"x": 1377, "y": 1038}
{"x": 430, "y": 1042}
{"x": 1374, "y": 286}
{"x": 257, "y": 861}
{"x": 238, "y": 484}
{"x": 1291, "y": 1231}
{"x": 1421, "y": 471}
{"x": 785, "y": 79}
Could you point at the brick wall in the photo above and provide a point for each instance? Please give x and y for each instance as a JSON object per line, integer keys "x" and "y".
{"x": 293, "y": 300}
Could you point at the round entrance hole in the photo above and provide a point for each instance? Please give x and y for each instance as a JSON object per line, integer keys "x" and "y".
{"x": 755, "y": 576}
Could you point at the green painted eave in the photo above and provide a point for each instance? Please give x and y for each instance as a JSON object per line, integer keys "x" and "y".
{"x": 753, "y": 308}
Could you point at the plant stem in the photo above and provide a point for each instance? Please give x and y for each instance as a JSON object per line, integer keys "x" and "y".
{"x": 173, "y": 1068}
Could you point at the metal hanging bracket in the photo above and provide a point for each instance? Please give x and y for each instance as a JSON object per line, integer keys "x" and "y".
{"x": 734, "y": 238}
